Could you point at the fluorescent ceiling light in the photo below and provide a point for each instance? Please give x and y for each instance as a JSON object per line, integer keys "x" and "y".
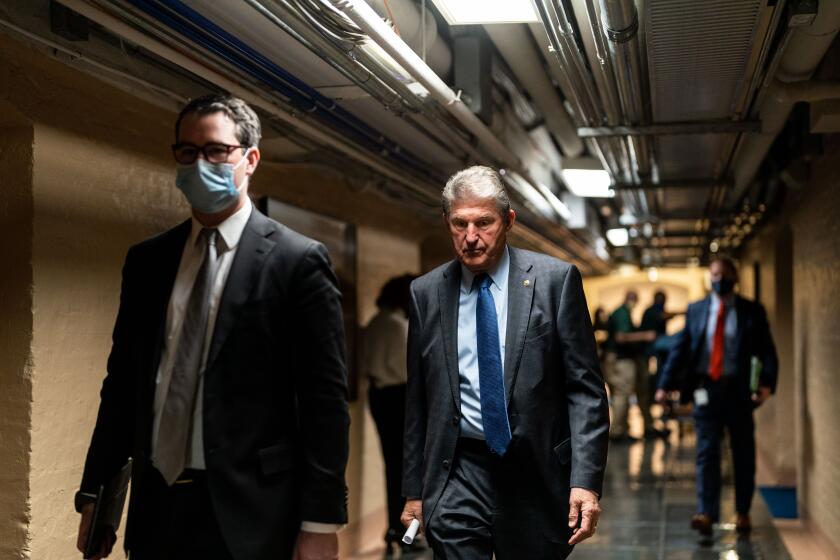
{"x": 588, "y": 182}
{"x": 618, "y": 237}
{"x": 470, "y": 12}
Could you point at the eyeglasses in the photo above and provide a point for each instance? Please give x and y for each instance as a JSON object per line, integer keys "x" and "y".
{"x": 186, "y": 153}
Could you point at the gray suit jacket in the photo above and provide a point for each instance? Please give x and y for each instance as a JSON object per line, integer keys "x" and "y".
{"x": 557, "y": 402}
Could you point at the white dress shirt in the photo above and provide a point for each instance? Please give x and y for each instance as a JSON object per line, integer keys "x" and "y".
{"x": 471, "y": 425}
{"x": 386, "y": 348}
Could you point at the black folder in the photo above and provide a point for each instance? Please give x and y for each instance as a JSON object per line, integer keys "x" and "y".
{"x": 108, "y": 509}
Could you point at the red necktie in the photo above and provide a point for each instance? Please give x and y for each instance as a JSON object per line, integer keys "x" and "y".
{"x": 716, "y": 358}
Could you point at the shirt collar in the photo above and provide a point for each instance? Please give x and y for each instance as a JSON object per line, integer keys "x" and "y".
{"x": 498, "y": 274}
{"x": 230, "y": 230}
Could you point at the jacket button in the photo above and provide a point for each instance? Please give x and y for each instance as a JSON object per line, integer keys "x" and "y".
{"x": 455, "y": 420}
{"x": 445, "y": 463}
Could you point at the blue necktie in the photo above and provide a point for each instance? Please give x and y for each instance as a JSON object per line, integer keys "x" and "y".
{"x": 490, "y": 372}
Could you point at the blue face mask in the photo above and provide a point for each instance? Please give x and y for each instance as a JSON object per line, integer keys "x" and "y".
{"x": 723, "y": 287}
{"x": 209, "y": 187}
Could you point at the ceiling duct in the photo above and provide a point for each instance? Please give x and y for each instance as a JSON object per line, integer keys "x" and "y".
{"x": 804, "y": 48}
{"x": 514, "y": 44}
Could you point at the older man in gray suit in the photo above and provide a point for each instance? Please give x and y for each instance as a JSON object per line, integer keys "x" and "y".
{"x": 507, "y": 417}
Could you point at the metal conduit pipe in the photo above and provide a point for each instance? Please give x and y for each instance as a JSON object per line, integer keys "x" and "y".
{"x": 604, "y": 66}
{"x": 613, "y": 153}
{"x": 621, "y": 26}
{"x": 290, "y": 22}
{"x": 366, "y": 72}
{"x": 253, "y": 98}
{"x": 803, "y": 52}
{"x": 514, "y": 45}
{"x": 370, "y": 22}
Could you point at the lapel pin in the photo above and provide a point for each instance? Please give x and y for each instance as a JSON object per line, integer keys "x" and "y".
{"x": 526, "y": 283}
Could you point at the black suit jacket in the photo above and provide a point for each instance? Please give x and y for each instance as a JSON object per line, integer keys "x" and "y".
{"x": 753, "y": 339}
{"x": 275, "y": 392}
{"x": 557, "y": 403}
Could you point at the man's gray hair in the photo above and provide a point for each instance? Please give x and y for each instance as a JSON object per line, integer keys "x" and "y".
{"x": 478, "y": 181}
{"x": 248, "y": 130}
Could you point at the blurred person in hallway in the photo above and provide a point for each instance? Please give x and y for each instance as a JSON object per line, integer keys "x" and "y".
{"x": 506, "y": 417}
{"x": 626, "y": 374}
{"x": 730, "y": 361}
{"x": 386, "y": 339}
{"x": 655, "y": 318}
{"x": 226, "y": 382}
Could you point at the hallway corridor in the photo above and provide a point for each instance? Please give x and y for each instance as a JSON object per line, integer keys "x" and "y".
{"x": 648, "y": 500}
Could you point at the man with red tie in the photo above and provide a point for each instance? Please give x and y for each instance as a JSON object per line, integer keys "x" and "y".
{"x": 729, "y": 359}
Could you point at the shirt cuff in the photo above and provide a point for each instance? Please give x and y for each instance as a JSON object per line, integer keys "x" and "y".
{"x": 323, "y": 528}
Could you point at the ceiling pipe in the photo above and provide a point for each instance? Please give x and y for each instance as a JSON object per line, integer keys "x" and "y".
{"x": 365, "y": 71}
{"x": 620, "y": 21}
{"x": 569, "y": 68}
{"x": 422, "y": 36}
{"x": 802, "y": 54}
{"x": 514, "y": 45}
{"x": 369, "y": 21}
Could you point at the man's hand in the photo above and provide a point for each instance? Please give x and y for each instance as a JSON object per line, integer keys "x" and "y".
{"x": 661, "y": 396}
{"x": 761, "y": 395}
{"x": 583, "y": 505}
{"x": 84, "y": 529}
{"x": 413, "y": 510}
{"x": 316, "y": 546}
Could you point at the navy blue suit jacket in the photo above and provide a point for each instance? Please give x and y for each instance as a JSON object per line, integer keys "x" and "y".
{"x": 753, "y": 339}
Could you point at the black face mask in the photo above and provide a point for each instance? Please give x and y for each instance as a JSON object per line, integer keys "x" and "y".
{"x": 723, "y": 287}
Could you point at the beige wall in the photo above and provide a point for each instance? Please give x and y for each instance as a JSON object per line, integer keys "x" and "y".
{"x": 799, "y": 256}
{"x": 771, "y": 252}
{"x": 15, "y": 330}
{"x": 816, "y": 278}
{"x": 73, "y": 205}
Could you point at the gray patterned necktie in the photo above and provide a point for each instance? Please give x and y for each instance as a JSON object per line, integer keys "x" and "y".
{"x": 175, "y": 427}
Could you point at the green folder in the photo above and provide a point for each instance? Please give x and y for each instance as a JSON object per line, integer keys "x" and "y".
{"x": 755, "y": 373}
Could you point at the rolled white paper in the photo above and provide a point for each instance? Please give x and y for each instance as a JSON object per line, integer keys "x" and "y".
{"x": 408, "y": 538}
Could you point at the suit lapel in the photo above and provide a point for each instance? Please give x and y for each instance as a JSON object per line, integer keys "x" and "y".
{"x": 254, "y": 246}
{"x": 700, "y": 332}
{"x": 448, "y": 297}
{"x": 521, "y": 286}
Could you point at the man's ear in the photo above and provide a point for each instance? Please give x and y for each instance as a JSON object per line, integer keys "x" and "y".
{"x": 253, "y": 161}
{"x": 511, "y": 218}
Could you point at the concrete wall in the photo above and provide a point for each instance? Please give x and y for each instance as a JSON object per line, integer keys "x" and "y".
{"x": 766, "y": 270}
{"x": 15, "y": 330}
{"x": 87, "y": 172}
{"x": 799, "y": 256}
{"x": 816, "y": 277}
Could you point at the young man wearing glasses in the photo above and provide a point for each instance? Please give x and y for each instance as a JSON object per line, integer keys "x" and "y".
{"x": 226, "y": 382}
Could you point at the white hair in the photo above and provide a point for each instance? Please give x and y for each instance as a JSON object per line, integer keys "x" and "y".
{"x": 478, "y": 181}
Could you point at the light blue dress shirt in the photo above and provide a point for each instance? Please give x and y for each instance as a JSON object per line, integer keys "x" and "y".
{"x": 730, "y": 334}
{"x": 471, "y": 425}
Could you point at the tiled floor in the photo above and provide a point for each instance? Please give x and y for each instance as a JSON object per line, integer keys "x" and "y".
{"x": 648, "y": 500}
